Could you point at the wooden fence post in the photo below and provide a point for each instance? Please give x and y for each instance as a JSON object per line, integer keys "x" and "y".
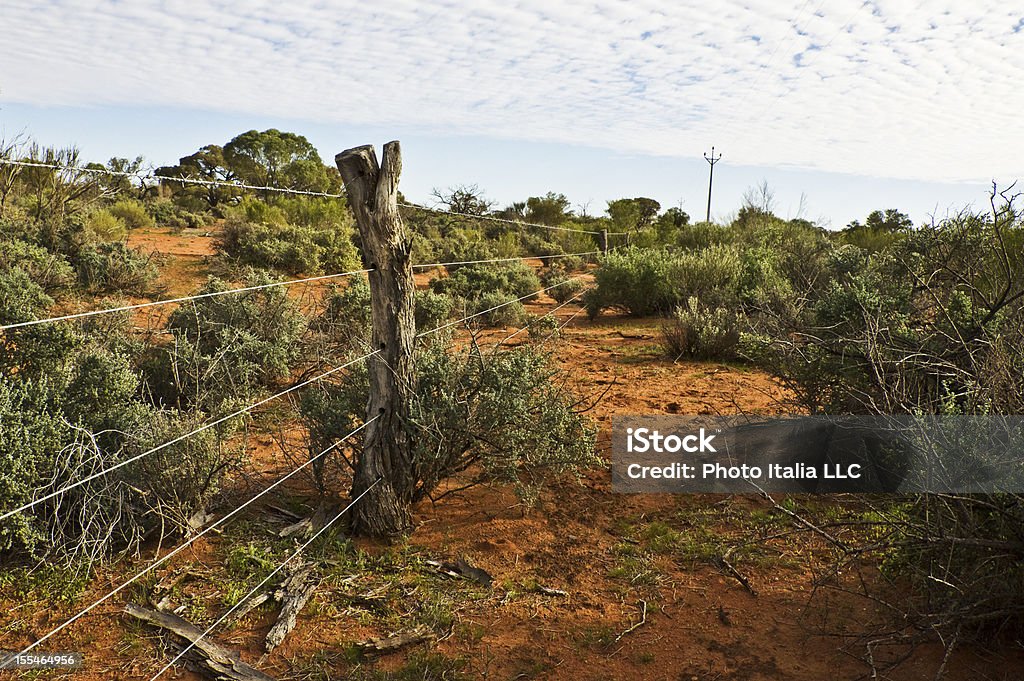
{"x": 603, "y": 241}
{"x": 372, "y": 192}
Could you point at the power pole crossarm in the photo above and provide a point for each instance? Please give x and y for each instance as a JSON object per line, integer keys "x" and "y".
{"x": 712, "y": 160}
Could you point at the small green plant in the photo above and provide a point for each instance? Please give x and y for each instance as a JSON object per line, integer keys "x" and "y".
{"x": 106, "y": 226}
{"x": 698, "y": 332}
{"x": 132, "y": 213}
{"x": 113, "y": 267}
{"x": 500, "y": 309}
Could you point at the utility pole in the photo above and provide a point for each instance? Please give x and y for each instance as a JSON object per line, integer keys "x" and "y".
{"x": 712, "y": 160}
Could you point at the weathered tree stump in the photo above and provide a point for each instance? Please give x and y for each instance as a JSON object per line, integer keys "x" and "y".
{"x": 372, "y": 192}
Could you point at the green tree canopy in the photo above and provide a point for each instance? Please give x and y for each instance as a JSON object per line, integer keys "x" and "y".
{"x": 550, "y": 209}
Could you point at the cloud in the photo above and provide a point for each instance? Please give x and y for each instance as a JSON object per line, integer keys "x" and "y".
{"x": 878, "y": 88}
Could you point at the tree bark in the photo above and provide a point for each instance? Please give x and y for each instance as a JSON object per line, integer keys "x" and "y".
{"x": 372, "y": 192}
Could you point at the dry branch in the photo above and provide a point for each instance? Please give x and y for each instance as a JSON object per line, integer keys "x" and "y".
{"x": 212, "y": 659}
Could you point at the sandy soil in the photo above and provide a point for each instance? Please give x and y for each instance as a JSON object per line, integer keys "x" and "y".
{"x": 685, "y": 620}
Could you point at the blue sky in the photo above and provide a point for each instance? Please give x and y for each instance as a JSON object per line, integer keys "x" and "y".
{"x": 855, "y": 105}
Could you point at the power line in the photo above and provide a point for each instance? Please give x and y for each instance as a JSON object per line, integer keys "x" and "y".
{"x": 525, "y": 257}
{"x": 213, "y": 294}
{"x": 183, "y": 299}
{"x": 169, "y": 178}
{"x": 191, "y": 540}
{"x": 712, "y": 160}
{"x": 547, "y": 314}
{"x": 507, "y": 221}
{"x": 490, "y": 309}
{"x": 266, "y": 579}
{"x": 180, "y": 438}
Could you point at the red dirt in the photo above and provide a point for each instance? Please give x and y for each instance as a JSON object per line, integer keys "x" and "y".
{"x": 700, "y": 624}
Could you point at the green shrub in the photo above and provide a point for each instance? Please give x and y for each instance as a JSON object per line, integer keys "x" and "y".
{"x": 112, "y": 267}
{"x": 290, "y": 248}
{"x": 565, "y": 288}
{"x": 506, "y": 411}
{"x": 132, "y": 213}
{"x": 106, "y": 226}
{"x": 346, "y": 316}
{"x": 472, "y": 281}
{"x": 432, "y": 309}
{"x": 502, "y": 309}
{"x": 226, "y": 347}
{"x": 464, "y": 245}
{"x": 81, "y": 418}
{"x": 167, "y": 213}
{"x": 35, "y": 350}
{"x": 643, "y": 282}
{"x": 51, "y": 271}
{"x": 543, "y": 327}
{"x": 700, "y": 332}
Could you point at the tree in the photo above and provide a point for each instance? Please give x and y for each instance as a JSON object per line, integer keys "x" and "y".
{"x": 207, "y": 165}
{"x": 278, "y": 159}
{"x": 464, "y": 198}
{"x": 121, "y": 184}
{"x": 266, "y": 159}
{"x": 890, "y": 221}
{"x": 633, "y": 214}
{"x": 550, "y": 209}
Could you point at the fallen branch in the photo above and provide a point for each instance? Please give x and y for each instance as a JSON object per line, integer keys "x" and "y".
{"x": 724, "y": 564}
{"x": 292, "y": 594}
{"x": 211, "y": 659}
{"x": 379, "y": 646}
{"x": 643, "y": 621}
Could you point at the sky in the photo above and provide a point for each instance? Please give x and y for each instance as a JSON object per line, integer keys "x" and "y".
{"x": 841, "y": 106}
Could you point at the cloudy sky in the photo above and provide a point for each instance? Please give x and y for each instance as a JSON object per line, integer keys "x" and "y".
{"x": 856, "y": 104}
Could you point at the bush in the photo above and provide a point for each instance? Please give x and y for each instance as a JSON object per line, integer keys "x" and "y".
{"x": 290, "y": 248}
{"x": 502, "y": 309}
{"x": 643, "y": 282}
{"x": 346, "y": 317}
{"x": 464, "y": 245}
{"x": 432, "y": 309}
{"x": 51, "y": 271}
{"x": 472, "y": 281}
{"x": 132, "y": 213}
{"x": 699, "y": 332}
{"x": 505, "y": 412}
{"x": 564, "y": 287}
{"x": 169, "y": 214}
{"x": 35, "y": 350}
{"x": 112, "y": 267}
{"x": 71, "y": 423}
{"x": 106, "y": 226}
{"x": 543, "y": 327}
{"x": 228, "y": 346}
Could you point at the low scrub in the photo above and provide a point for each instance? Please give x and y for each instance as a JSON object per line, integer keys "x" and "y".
{"x": 226, "y": 348}
{"x": 698, "y": 332}
{"x": 643, "y": 282}
{"x": 505, "y": 416}
{"x": 72, "y": 419}
{"x": 51, "y": 271}
{"x": 132, "y": 213}
{"x": 113, "y": 267}
{"x": 297, "y": 237}
{"x": 479, "y": 288}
